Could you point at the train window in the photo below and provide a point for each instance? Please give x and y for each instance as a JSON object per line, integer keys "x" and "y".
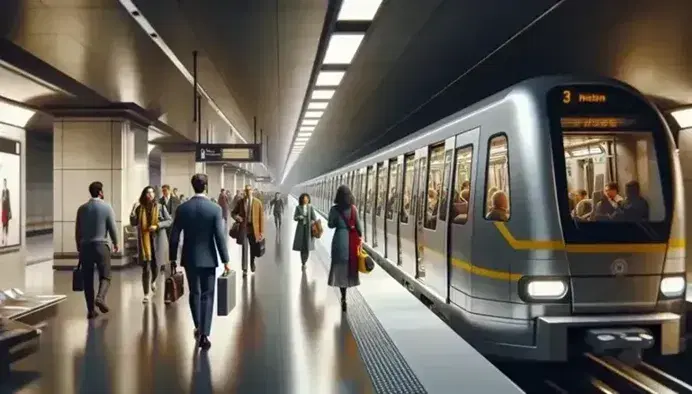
{"x": 406, "y": 207}
{"x": 434, "y": 192}
{"x": 461, "y": 195}
{"x": 444, "y": 205}
{"x": 381, "y": 188}
{"x": 497, "y": 196}
{"x": 392, "y": 196}
{"x": 613, "y": 177}
{"x": 370, "y": 197}
{"x": 362, "y": 192}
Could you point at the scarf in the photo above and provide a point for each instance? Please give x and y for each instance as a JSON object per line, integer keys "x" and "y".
{"x": 146, "y": 221}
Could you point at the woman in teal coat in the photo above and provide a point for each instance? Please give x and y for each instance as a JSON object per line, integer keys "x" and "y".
{"x": 348, "y": 233}
{"x": 303, "y": 241}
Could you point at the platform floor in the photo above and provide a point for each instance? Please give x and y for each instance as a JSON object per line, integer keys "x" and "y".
{"x": 286, "y": 335}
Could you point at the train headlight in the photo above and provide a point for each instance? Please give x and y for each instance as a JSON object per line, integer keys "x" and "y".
{"x": 673, "y": 286}
{"x": 546, "y": 289}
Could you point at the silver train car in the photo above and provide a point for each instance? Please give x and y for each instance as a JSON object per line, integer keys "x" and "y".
{"x": 546, "y": 218}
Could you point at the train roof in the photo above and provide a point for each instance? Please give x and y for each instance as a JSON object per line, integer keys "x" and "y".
{"x": 533, "y": 86}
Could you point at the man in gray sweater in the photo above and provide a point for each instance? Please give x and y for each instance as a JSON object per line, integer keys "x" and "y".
{"x": 95, "y": 223}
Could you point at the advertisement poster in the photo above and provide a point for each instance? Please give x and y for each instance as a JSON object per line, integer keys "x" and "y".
{"x": 10, "y": 209}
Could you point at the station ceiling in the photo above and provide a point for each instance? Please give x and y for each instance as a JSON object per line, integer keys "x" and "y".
{"x": 420, "y": 61}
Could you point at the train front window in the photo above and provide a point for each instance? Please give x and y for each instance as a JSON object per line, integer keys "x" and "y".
{"x": 613, "y": 177}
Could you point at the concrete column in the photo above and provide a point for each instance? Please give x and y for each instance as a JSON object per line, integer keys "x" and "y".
{"x": 216, "y": 179}
{"x": 229, "y": 179}
{"x": 112, "y": 151}
{"x": 177, "y": 169}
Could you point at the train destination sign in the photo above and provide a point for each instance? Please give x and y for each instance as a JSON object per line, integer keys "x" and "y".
{"x": 226, "y": 153}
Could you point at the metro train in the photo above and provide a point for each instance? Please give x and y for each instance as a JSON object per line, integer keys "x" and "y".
{"x": 546, "y": 218}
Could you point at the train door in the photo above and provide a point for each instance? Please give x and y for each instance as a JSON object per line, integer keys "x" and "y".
{"x": 434, "y": 230}
{"x": 461, "y": 217}
{"x": 361, "y": 195}
{"x": 421, "y": 211}
{"x": 369, "y": 222}
{"x": 407, "y": 216}
{"x": 392, "y": 212}
{"x": 380, "y": 240}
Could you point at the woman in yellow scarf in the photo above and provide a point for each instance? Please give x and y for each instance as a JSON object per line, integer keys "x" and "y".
{"x": 151, "y": 220}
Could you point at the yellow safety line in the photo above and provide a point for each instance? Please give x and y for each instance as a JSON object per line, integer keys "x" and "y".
{"x": 517, "y": 244}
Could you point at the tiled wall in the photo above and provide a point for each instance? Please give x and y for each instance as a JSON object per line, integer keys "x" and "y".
{"x": 177, "y": 168}
{"x": 109, "y": 151}
{"x": 12, "y": 264}
{"x": 39, "y": 180}
{"x": 216, "y": 179}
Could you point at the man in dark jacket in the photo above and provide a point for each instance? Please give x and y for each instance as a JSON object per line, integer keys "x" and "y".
{"x": 200, "y": 221}
{"x": 277, "y": 205}
{"x": 170, "y": 201}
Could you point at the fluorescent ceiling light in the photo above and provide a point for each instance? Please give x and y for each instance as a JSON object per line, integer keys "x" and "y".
{"x": 322, "y": 94}
{"x": 299, "y": 143}
{"x": 683, "y": 117}
{"x": 302, "y": 139}
{"x": 310, "y": 122}
{"x": 358, "y": 10}
{"x": 15, "y": 115}
{"x": 314, "y": 114}
{"x": 342, "y": 48}
{"x": 304, "y": 135}
{"x": 317, "y": 105}
{"x": 307, "y": 128}
{"x": 329, "y": 78}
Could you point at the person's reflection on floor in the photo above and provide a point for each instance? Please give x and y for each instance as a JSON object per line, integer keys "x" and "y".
{"x": 95, "y": 376}
{"x": 350, "y": 375}
{"x": 201, "y": 374}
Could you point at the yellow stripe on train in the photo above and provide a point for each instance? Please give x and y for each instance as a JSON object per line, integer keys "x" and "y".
{"x": 517, "y": 244}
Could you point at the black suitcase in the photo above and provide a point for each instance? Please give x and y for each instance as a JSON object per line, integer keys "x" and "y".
{"x": 226, "y": 291}
{"x": 77, "y": 278}
{"x": 174, "y": 287}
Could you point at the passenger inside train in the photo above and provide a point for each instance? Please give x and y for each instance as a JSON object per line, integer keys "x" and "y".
{"x": 611, "y": 160}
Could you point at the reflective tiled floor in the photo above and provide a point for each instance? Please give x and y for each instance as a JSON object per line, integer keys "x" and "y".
{"x": 286, "y": 335}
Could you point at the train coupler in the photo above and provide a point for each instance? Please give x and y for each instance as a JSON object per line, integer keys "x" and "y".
{"x": 626, "y": 344}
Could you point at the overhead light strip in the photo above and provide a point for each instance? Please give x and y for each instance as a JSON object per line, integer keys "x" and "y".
{"x": 339, "y": 51}
{"x": 151, "y": 32}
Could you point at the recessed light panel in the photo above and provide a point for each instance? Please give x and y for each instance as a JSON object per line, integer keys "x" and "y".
{"x": 358, "y": 10}
{"x": 313, "y": 114}
{"x": 317, "y": 105}
{"x": 322, "y": 94}
{"x": 329, "y": 78}
{"x": 307, "y": 128}
{"x": 304, "y": 135}
{"x": 310, "y": 122}
{"x": 342, "y": 48}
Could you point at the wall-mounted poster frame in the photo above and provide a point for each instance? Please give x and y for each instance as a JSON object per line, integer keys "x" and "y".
{"x": 11, "y": 194}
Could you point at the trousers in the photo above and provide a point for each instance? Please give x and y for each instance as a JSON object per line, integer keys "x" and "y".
{"x": 95, "y": 256}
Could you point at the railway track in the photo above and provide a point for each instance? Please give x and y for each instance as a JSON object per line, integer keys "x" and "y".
{"x": 605, "y": 374}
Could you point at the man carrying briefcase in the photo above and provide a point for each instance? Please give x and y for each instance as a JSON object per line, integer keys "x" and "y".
{"x": 201, "y": 222}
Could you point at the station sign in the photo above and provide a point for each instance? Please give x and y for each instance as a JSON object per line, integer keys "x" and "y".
{"x": 228, "y": 153}
{"x": 263, "y": 179}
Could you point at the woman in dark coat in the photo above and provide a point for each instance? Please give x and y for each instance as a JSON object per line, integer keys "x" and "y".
{"x": 6, "y": 212}
{"x": 151, "y": 219}
{"x": 305, "y": 216}
{"x": 343, "y": 217}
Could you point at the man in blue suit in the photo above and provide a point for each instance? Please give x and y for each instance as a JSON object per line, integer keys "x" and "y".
{"x": 202, "y": 223}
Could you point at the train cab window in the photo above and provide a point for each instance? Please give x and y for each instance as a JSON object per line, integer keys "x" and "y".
{"x": 370, "y": 197}
{"x": 613, "y": 177}
{"x": 497, "y": 196}
{"x": 434, "y": 190}
{"x": 392, "y": 197}
{"x": 461, "y": 195}
{"x": 406, "y": 207}
{"x": 381, "y": 189}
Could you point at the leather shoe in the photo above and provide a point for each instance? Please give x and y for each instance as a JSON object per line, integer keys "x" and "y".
{"x": 203, "y": 342}
{"x": 102, "y": 306}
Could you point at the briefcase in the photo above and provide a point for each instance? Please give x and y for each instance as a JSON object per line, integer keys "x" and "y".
{"x": 226, "y": 289}
{"x": 259, "y": 248}
{"x": 77, "y": 279}
{"x": 175, "y": 287}
{"x": 234, "y": 232}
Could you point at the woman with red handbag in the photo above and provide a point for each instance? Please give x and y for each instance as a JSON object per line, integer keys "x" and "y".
{"x": 343, "y": 217}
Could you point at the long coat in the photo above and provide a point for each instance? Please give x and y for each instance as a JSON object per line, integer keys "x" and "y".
{"x": 340, "y": 250}
{"x": 303, "y": 240}
{"x": 160, "y": 241}
{"x": 257, "y": 219}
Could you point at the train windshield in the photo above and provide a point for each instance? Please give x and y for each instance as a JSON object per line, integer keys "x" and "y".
{"x": 612, "y": 161}
{"x": 613, "y": 177}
